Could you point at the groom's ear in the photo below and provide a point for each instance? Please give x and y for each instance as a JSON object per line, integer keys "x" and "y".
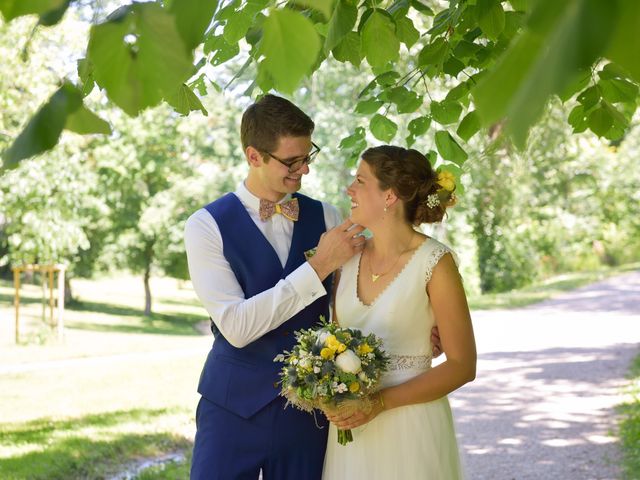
{"x": 254, "y": 157}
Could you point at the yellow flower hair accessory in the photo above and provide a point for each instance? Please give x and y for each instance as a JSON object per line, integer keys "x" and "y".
{"x": 446, "y": 180}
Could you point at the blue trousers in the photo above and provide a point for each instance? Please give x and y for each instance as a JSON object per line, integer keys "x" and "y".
{"x": 285, "y": 443}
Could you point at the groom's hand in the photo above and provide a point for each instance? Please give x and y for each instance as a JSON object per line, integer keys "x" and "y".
{"x": 336, "y": 247}
{"x": 435, "y": 342}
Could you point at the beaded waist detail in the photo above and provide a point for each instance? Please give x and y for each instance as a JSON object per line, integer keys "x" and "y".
{"x": 409, "y": 362}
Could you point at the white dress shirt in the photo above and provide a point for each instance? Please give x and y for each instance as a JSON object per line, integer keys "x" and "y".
{"x": 239, "y": 319}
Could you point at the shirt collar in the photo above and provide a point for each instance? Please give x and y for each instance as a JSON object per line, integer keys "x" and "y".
{"x": 250, "y": 200}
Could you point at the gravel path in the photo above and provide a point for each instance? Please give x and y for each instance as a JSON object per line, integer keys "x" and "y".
{"x": 549, "y": 377}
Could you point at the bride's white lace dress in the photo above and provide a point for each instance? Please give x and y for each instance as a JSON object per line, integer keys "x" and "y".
{"x": 411, "y": 442}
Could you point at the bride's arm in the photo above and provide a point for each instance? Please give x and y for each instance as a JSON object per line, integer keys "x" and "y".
{"x": 451, "y": 311}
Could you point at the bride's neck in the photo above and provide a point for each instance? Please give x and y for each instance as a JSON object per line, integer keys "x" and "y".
{"x": 392, "y": 241}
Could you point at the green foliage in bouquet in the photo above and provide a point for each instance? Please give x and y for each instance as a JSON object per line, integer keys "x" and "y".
{"x": 332, "y": 368}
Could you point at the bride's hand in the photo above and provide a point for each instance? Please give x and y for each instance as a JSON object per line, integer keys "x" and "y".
{"x": 347, "y": 421}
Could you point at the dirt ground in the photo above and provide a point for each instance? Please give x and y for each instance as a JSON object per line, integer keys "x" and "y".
{"x": 549, "y": 377}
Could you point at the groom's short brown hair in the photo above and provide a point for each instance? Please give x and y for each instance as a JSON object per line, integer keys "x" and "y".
{"x": 270, "y": 118}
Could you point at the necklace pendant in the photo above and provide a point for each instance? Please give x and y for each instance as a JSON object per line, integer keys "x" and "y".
{"x": 374, "y": 277}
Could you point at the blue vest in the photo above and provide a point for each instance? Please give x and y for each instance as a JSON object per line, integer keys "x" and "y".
{"x": 244, "y": 380}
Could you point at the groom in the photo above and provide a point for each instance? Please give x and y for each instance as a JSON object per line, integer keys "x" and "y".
{"x": 246, "y": 254}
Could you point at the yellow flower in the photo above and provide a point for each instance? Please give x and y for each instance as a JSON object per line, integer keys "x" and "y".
{"x": 447, "y": 181}
{"x": 341, "y": 347}
{"x": 327, "y": 353}
{"x": 364, "y": 349}
{"x": 354, "y": 387}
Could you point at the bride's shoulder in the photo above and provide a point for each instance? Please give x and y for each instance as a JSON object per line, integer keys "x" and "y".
{"x": 435, "y": 250}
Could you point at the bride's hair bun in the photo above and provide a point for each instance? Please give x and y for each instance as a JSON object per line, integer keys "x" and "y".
{"x": 425, "y": 193}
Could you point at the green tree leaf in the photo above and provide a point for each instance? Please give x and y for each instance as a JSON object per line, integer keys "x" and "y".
{"x": 617, "y": 90}
{"x": 589, "y": 97}
{"x": 406, "y": 100}
{"x": 379, "y": 42}
{"x": 382, "y": 128}
{"x": 237, "y": 26}
{"x": 138, "y": 56}
{"x": 348, "y": 50}
{"x": 625, "y": 44}
{"x": 421, "y": 7}
{"x": 449, "y": 148}
{"x": 560, "y": 40}
{"x": 406, "y": 31}
{"x": 186, "y": 101}
{"x": 223, "y": 50}
{"x": 44, "y": 128}
{"x": 15, "y": 8}
{"x": 85, "y": 73}
{"x": 445, "y": 112}
{"x": 453, "y": 66}
{"x": 600, "y": 121}
{"x": 368, "y": 106}
{"x": 434, "y": 53}
{"x": 52, "y": 17}
{"x": 352, "y": 140}
{"x": 459, "y": 91}
{"x": 613, "y": 70}
{"x": 290, "y": 46}
{"x": 417, "y": 127}
{"x": 582, "y": 79}
{"x": 577, "y": 119}
{"x": 192, "y": 19}
{"x": 342, "y": 22}
{"x": 490, "y": 17}
{"x": 84, "y": 122}
{"x": 323, "y": 6}
{"x": 469, "y": 126}
{"x": 520, "y": 5}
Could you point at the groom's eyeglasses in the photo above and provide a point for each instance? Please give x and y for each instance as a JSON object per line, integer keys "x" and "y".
{"x": 295, "y": 164}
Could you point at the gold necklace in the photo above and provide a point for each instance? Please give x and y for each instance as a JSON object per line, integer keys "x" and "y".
{"x": 375, "y": 277}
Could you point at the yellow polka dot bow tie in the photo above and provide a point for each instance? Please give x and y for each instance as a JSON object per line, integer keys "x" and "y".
{"x": 290, "y": 209}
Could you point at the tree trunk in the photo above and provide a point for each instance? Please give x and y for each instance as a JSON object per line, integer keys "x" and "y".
{"x": 68, "y": 293}
{"x": 147, "y": 292}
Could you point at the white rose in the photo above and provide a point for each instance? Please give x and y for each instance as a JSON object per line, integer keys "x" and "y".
{"x": 348, "y": 362}
{"x": 322, "y": 337}
{"x": 362, "y": 376}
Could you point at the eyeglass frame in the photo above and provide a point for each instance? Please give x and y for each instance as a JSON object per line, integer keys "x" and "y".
{"x": 306, "y": 160}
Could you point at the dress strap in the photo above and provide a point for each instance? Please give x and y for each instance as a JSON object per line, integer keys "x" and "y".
{"x": 434, "y": 256}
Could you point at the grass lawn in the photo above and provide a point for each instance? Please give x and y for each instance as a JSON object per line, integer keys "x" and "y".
{"x": 630, "y": 426}
{"x": 120, "y": 389}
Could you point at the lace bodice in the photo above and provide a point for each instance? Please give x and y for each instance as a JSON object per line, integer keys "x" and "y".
{"x": 401, "y": 315}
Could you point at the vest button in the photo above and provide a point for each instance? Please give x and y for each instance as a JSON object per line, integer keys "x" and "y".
{"x": 285, "y": 333}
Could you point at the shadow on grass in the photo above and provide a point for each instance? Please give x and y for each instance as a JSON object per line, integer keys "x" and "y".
{"x": 174, "y": 323}
{"x": 86, "y": 447}
{"x": 9, "y": 298}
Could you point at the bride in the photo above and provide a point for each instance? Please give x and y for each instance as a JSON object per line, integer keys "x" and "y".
{"x": 400, "y": 286}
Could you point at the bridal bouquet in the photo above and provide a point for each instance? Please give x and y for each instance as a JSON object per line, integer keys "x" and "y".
{"x": 332, "y": 368}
